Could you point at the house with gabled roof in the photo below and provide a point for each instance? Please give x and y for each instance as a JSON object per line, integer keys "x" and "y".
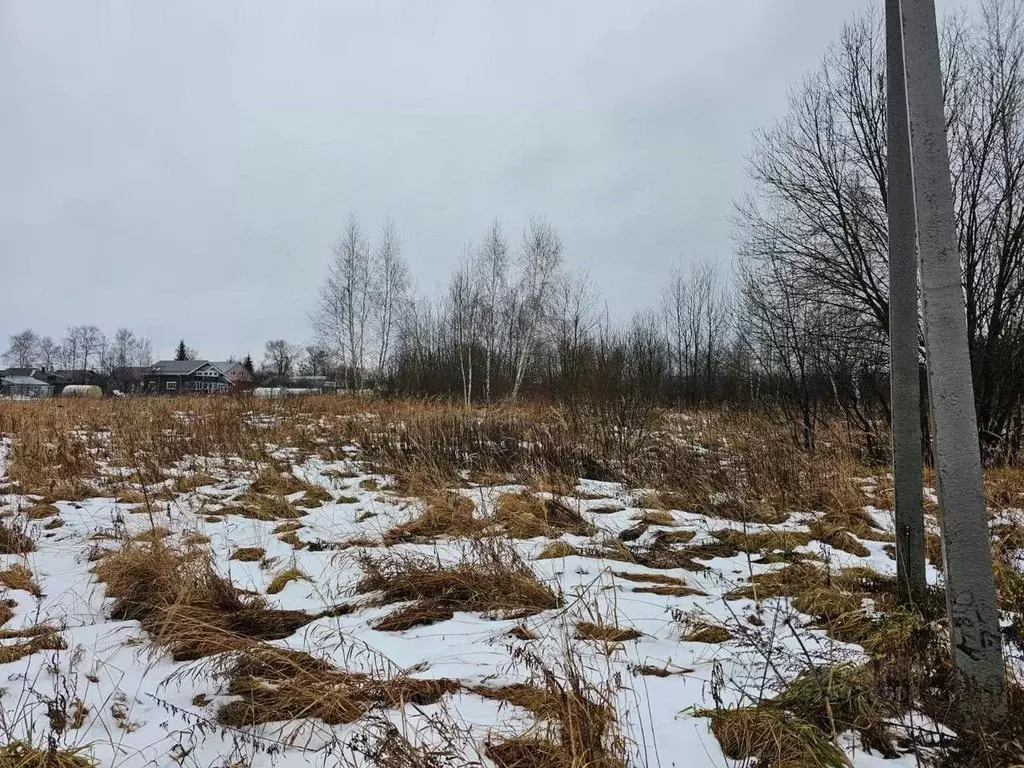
{"x": 171, "y": 377}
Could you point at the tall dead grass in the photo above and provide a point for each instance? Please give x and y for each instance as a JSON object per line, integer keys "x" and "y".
{"x": 184, "y": 604}
{"x": 490, "y": 578}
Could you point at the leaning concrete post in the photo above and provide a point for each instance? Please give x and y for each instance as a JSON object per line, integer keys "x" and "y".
{"x": 970, "y": 584}
{"x": 903, "y": 328}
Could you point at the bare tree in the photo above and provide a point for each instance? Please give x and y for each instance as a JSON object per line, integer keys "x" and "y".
{"x": 142, "y": 355}
{"x": 343, "y": 311}
{"x": 90, "y": 343}
{"x": 540, "y": 265}
{"x": 48, "y": 352}
{"x": 492, "y": 267}
{"x": 317, "y": 361}
{"x": 70, "y": 350}
{"x": 463, "y": 311}
{"x": 821, "y": 195}
{"x": 122, "y": 348}
{"x": 973, "y": 610}
{"x": 575, "y": 316}
{"x": 281, "y": 358}
{"x": 22, "y": 349}
{"x": 390, "y": 290}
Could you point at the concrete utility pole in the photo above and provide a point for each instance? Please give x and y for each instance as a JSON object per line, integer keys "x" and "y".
{"x": 970, "y": 585}
{"x": 903, "y": 327}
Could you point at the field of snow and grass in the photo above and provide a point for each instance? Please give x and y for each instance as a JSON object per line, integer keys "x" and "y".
{"x": 201, "y": 583}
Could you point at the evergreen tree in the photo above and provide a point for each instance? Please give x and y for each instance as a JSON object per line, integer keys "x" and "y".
{"x": 182, "y": 353}
{"x": 247, "y": 364}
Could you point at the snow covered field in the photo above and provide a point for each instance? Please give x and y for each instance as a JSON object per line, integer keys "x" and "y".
{"x": 525, "y": 610}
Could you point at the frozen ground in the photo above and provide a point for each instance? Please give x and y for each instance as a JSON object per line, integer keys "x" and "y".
{"x": 140, "y": 708}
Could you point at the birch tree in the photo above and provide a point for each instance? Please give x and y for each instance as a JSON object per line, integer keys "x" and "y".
{"x": 492, "y": 266}
{"x": 343, "y": 310}
{"x": 541, "y": 261}
{"x": 390, "y": 290}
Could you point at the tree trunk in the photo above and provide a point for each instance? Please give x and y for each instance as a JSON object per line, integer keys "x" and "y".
{"x": 903, "y": 327}
{"x": 970, "y": 584}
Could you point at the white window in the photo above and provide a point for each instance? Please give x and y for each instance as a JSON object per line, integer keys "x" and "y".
{"x": 170, "y": 386}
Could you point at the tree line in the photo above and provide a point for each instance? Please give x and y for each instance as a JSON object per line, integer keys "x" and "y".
{"x": 83, "y": 347}
{"x": 798, "y": 320}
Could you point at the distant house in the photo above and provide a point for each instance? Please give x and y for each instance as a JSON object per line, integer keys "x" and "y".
{"x": 236, "y": 374}
{"x": 187, "y": 376}
{"x": 24, "y": 386}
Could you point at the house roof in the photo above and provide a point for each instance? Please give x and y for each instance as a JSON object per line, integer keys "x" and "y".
{"x": 224, "y": 365}
{"x": 23, "y": 381}
{"x": 177, "y": 367}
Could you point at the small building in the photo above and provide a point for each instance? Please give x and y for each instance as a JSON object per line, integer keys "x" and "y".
{"x": 24, "y": 387}
{"x": 80, "y": 377}
{"x": 85, "y": 391}
{"x": 169, "y": 377}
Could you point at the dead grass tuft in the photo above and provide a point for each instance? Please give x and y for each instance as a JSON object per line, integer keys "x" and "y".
{"x": 446, "y": 514}
{"x": 603, "y": 633}
{"x": 276, "y": 685}
{"x": 574, "y": 725}
{"x": 490, "y": 577}
{"x": 557, "y": 549}
{"x": 14, "y": 541}
{"x": 19, "y": 754}
{"x": 527, "y": 516}
{"x": 41, "y": 511}
{"x": 284, "y": 578}
{"x": 762, "y": 541}
{"x": 837, "y": 537}
{"x": 248, "y": 554}
{"x": 696, "y": 630}
{"x": 772, "y": 737}
{"x": 20, "y": 576}
{"x": 261, "y": 507}
{"x": 41, "y": 639}
{"x": 418, "y": 614}
{"x": 185, "y": 606}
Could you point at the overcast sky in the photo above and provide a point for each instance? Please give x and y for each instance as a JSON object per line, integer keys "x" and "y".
{"x": 182, "y": 167}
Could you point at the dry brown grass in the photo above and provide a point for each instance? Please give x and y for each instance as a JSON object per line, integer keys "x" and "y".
{"x": 39, "y": 639}
{"x": 772, "y": 737}
{"x": 248, "y": 554}
{"x": 14, "y": 541}
{"x": 19, "y": 576}
{"x": 557, "y": 549}
{"x": 490, "y": 578}
{"x": 698, "y": 630}
{"x": 527, "y": 516}
{"x": 587, "y": 630}
{"x": 41, "y": 511}
{"x": 837, "y": 537}
{"x": 762, "y": 541}
{"x": 185, "y": 606}
{"x": 275, "y": 685}
{"x": 284, "y": 578}
{"x": 20, "y": 754}
{"x": 446, "y": 514}
{"x": 574, "y": 722}
{"x": 258, "y": 506}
